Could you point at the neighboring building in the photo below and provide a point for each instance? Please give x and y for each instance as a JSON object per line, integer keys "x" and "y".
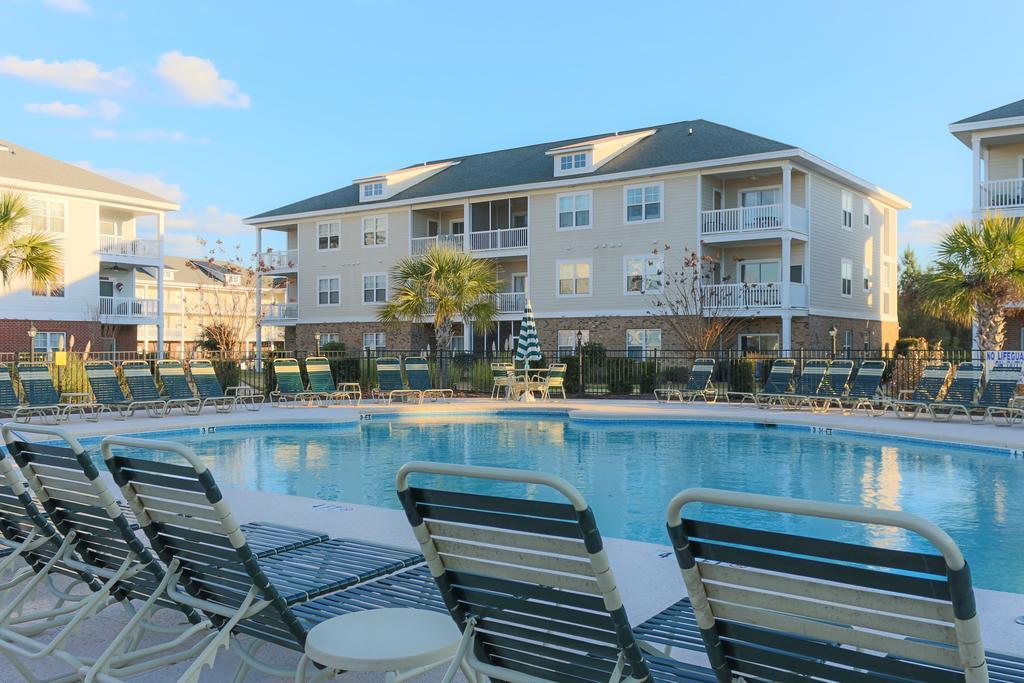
{"x": 996, "y": 140}
{"x": 197, "y": 293}
{"x": 800, "y": 244}
{"x": 95, "y": 219}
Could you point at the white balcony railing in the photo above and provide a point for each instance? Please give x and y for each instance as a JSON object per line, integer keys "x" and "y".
{"x": 118, "y": 245}
{"x": 127, "y": 307}
{"x": 751, "y": 219}
{"x": 1000, "y": 194}
{"x": 421, "y": 244}
{"x": 280, "y": 312}
{"x": 284, "y": 259}
{"x": 511, "y": 302}
{"x": 511, "y": 238}
{"x": 741, "y": 296}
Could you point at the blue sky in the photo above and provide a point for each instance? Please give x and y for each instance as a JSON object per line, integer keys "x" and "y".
{"x": 233, "y": 108}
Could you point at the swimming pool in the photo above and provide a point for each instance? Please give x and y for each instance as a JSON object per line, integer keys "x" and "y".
{"x": 629, "y": 471}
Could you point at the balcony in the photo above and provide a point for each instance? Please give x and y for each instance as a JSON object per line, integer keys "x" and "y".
{"x": 719, "y": 299}
{"x": 751, "y": 220}
{"x": 129, "y": 247}
{"x": 1002, "y": 194}
{"x": 493, "y": 240}
{"x": 280, "y": 314}
{"x": 421, "y": 244}
{"x": 511, "y": 302}
{"x": 124, "y": 310}
{"x": 284, "y": 260}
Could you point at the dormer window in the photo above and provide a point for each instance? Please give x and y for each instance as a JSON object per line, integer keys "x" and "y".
{"x": 570, "y": 162}
{"x": 371, "y": 190}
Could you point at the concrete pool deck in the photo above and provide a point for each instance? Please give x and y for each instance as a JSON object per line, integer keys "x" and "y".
{"x": 646, "y": 573}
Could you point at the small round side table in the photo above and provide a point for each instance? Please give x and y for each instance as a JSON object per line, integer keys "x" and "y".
{"x": 402, "y": 642}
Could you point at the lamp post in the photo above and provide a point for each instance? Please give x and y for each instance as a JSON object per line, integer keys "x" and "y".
{"x": 579, "y": 354}
{"x": 316, "y": 339}
{"x": 833, "y": 331}
{"x": 32, "y": 332}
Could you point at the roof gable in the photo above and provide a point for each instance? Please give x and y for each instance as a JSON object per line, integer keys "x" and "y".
{"x": 1006, "y": 111}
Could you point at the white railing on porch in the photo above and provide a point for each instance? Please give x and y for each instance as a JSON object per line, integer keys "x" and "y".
{"x": 285, "y": 259}
{"x": 511, "y": 238}
{"x": 421, "y": 244}
{"x": 751, "y": 219}
{"x": 511, "y": 302}
{"x": 128, "y": 307}
{"x": 998, "y": 194}
{"x": 118, "y": 245}
{"x": 280, "y": 312}
{"x": 741, "y": 296}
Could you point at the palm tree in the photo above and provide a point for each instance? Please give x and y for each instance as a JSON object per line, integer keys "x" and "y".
{"x": 25, "y": 253}
{"x": 978, "y": 272}
{"x": 442, "y": 284}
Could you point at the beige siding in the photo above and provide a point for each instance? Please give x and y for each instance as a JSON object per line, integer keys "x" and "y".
{"x": 1004, "y": 161}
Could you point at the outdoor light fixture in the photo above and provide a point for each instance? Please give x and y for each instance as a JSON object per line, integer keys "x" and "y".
{"x": 316, "y": 339}
{"x": 832, "y": 332}
{"x": 32, "y": 332}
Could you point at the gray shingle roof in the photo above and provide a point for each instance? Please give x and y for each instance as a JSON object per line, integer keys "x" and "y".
{"x": 31, "y": 166}
{"x": 1004, "y": 112}
{"x": 671, "y": 144}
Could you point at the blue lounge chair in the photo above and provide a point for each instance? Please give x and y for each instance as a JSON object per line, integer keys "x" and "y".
{"x": 321, "y": 380}
{"x": 418, "y": 373}
{"x": 208, "y": 387}
{"x": 997, "y": 399}
{"x": 911, "y": 403}
{"x": 10, "y": 403}
{"x": 142, "y": 386}
{"x": 832, "y": 388}
{"x": 289, "y": 385}
{"x": 175, "y": 384}
{"x": 699, "y": 384}
{"x": 389, "y": 382}
{"x": 866, "y": 390}
{"x": 106, "y": 388}
{"x": 961, "y": 394}
{"x": 44, "y": 401}
{"x": 807, "y": 384}
{"x": 779, "y": 384}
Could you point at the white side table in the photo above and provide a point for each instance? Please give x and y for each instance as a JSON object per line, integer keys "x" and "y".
{"x": 399, "y": 641}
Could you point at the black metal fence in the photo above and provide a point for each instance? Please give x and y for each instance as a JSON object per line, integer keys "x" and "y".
{"x": 594, "y": 372}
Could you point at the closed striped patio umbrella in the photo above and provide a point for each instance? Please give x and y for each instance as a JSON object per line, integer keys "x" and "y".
{"x": 529, "y": 346}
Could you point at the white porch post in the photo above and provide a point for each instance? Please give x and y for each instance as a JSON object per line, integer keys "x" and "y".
{"x": 700, "y": 214}
{"x": 467, "y": 225}
{"x": 787, "y": 251}
{"x": 259, "y": 300}
{"x": 976, "y": 172}
{"x": 787, "y": 333}
{"x": 467, "y": 336}
{"x": 787, "y": 195}
{"x": 160, "y": 288}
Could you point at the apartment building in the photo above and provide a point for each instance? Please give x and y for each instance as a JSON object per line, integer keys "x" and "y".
{"x": 800, "y": 246}
{"x": 199, "y": 292}
{"x": 109, "y": 233}
{"x": 996, "y": 141}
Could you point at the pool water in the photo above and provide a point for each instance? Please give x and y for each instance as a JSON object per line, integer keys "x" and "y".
{"x": 628, "y": 472}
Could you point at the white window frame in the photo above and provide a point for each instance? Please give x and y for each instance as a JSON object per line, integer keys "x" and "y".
{"x": 846, "y": 210}
{"x": 866, "y": 204}
{"x": 329, "y": 338}
{"x": 50, "y": 287}
{"x": 372, "y": 190}
{"x": 382, "y": 337}
{"x": 328, "y": 225}
{"x": 645, "y": 347}
{"x": 758, "y": 261}
{"x": 579, "y": 162}
{"x": 759, "y": 335}
{"x": 45, "y": 202}
{"x": 49, "y": 346}
{"x": 642, "y": 187}
{"x": 558, "y": 278}
{"x": 451, "y": 226}
{"x": 743, "y": 190}
{"x": 318, "y": 290}
{"x": 231, "y": 279}
{"x": 558, "y": 212}
{"x": 844, "y": 265}
{"x": 866, "y": 283}
{"x": 569, "y": 349}
{"x": 847, "y": 341}
{"x": 1020, "y": 169}
{"x": 364, "y": 290}
{"x": 625, "y": 274}
{"x": 362, "y": 232}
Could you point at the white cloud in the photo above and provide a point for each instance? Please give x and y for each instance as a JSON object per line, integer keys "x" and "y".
{"x": 184, "y": 229}
{"x": 104, "y": 134}
{"x": 58, "y": 109}
{"x": 75, "y": 6}
{"x": 104, "y": 109}
{"x": 148, "y": 135}
{"x": 79, "y": 75}
{"x": 197, "y": 81}
{"x": 147, "y": 182}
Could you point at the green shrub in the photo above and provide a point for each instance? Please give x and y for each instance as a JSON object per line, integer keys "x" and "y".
{"x": 648, "y": 371}
{"x": 675, "y": 375}
{"x": 621, "y": 375}
{"x": 741, "y": 374}
{"x": 228, "y": 373}
{"x": 480, "y": 376}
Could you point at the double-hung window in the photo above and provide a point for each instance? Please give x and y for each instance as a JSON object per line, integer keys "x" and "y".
{"x": 328, "y": 235}
{"x": 375, "y": 231}
{"x": 328, "y": 291}
{"x": 574, "y": 278}
{"x": 641, "y": 342}
{"x": 45, "y": 342}
{"x": 375, "y": 288}
{"x": 847, "y": 215}
{"x": 846, "y": 276}
{"x": 374, "y": 341}
{"x": 572, "y": 162}
{"x": 329, "y": 338}
{"x": 567, "y": 341}
{"x": 574, "y": 210}
{"x": 371, "y": 190}
{"x": 644, "y": 274}
{"x": 53, "y": 288}
{"x": 643, "y": 203}
{"x": 48, "y": 216}
{"x": 867, "y": 277}
{"x": 867, "y": 212}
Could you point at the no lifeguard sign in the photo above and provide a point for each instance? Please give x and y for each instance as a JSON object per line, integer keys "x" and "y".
{"x": 993, "y": 358}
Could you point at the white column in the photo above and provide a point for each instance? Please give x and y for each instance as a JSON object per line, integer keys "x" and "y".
{"x": 787, "y": 333}
{"x": 259, "y": 300}
{"x": 787, "y": 250}
{"x": 467, "y": 336}
{"x": 160, "y": 287}
{"x": 467, "y": 225}
{"x": 787, "y": 195}
{"x": 700, "y": 214}
{"x": 976, "y": 172}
